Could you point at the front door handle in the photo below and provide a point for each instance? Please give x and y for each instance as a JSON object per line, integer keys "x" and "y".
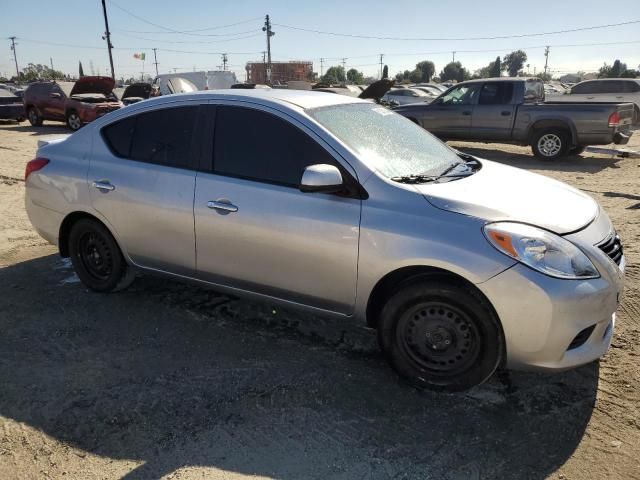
{"x": 466, "y": 112}
{"x": 104, "y": 185}
{"x": 222, "y": 206}
{"x": 505, "y": 113}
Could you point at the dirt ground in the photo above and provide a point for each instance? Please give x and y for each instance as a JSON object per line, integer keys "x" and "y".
{"x": 166, "y": 380}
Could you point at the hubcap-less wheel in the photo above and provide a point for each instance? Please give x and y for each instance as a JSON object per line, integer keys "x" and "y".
{"x": 74, "y": 121}
{"x": 95, "y": 255}
{"x": 439, "y": 338}
{"x": 549, "y": 144}
{"x": 33, "y": 117}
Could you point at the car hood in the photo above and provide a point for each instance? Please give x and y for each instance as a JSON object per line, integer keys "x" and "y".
{"x": 137, "y": 90}
{"x": 85, "y": 85}
{"x": 499, "y": 192}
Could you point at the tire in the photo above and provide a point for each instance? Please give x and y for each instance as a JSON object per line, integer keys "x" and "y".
{"x": 73, "y": 121}
{"x": 550, "y": 143}
{"x": 34, "y": 117}
{"x": 636, "y": 116}
{"x": 97, "y": 259}
{"x": 467, "y": 339}
{"x": 577, "y": 150}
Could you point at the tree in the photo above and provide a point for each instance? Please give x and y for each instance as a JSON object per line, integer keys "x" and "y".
{"x": 454, "y": 71}
{"x": 34, "y": 72}
{"x": 406, "y": 74}
{"x": 514, "y": 61}
{"x": 495, "y": 68}
{"x": 334, "y": 75}
{"x": 427, "y": 68}
{"x": 399, "y": 77}
{"x": 416, "y": 76}
{"x": 617, "y": 69}
{"x": 354, "y": 76}
{"x": 385, "y": 72}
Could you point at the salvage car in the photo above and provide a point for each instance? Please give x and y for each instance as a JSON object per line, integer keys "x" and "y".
{"x": 11, "y": 106}
{"x": 514, "y": 110}
{"x": 136, "y": 92}
{"x": 341, "y": 207}
{"x": 75, "y": 103}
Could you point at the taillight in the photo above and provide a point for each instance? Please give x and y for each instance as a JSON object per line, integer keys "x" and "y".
{"x": 34, "y": 165}
{"x": 614, "y": 119}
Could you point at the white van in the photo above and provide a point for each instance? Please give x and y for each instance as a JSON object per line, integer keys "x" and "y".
{"x": 213, "y": 80}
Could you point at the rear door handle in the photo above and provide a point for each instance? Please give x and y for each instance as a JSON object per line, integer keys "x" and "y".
{"x": 466, "y": 112}
{"x": 104, "y": 185}
{"x": 222, "y": 206}
{"x": 505, "y": 113}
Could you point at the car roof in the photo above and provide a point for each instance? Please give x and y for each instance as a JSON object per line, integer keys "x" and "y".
{"x": 301, "y": 98}
{"x": 610, "y": 79}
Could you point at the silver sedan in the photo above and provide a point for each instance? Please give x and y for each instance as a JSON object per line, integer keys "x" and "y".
{"x": 340, "y": 207}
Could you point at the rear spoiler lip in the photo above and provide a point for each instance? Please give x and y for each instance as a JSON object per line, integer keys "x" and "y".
{"x": 51, "y": 139}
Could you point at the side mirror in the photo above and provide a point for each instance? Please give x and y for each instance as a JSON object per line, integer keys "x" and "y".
{"x": 55, "y": 95}
{"x": 321, "y": 178}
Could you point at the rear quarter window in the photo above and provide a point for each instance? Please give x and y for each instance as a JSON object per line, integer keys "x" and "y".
{"x": 118, "y": 136}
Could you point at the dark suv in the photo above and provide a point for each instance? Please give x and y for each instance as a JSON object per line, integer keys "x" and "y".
{"x": 75, "y": 103}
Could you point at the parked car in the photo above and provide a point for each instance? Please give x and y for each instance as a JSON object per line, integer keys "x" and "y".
{"x": 403, "y": 96}
{"x": 607, "y": 90}
{"x": 514, "y": 110}
{"x": 461, "y": 264}
{"x": 212, "y": 80}
{"x": 136, "y": 92}
{"x": 434, "y": 88}
{"x": 11, "y": 106}
{"x": 75, "y": 103}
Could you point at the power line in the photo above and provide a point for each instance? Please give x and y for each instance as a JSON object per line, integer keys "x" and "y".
{"x": 199, "y": 42}
{"x": 253, "y": 30}
{"x": 171, "y": 30}
{"x": 499, "y": 37}
{"x": 195, "y": 30}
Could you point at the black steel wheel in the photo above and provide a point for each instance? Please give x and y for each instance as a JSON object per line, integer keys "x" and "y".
{"x": 34, "y": 118}
{"x": 441, "y": 334}
{"x": 96, "y": 257}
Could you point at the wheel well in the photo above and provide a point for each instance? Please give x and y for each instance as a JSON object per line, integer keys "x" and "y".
{"x": 391, "y": 282}
{"x": 556, "y": 124}
{"x": 65, "y": 229}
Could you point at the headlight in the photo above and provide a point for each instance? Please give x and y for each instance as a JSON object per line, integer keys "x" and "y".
{"x": 541, "y": 250}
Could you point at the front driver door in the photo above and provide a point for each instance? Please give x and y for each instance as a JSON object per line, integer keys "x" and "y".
{"x": 262, "y": 234}
{"x": 449, "y": 116}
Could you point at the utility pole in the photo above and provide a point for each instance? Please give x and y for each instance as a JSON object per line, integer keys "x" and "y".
{"x": 453, "y": 57}
{"x": 381, "y": 56}
{"x": 546, "y": 59}
{"x": 15, "y": 58}
{"x": 224, "y": 61}
{"x": 51, "y": 61}
{"x": 321, "y": 67}
{"x": 270, "y": 33}
{"x": 107, "y": 37}
{"x": 155, "y": 60}
{"x": 264, "y": 64}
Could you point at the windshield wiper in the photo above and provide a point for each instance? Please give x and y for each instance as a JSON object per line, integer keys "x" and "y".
{"x": 420, "y": 178}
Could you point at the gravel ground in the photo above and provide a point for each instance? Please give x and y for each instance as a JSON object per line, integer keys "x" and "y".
{"x": 167, "y": 380}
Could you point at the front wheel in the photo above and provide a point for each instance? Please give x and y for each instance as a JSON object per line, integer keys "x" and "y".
{"x": 440, "y": 335}
{"x": 96, "y": 257}
{"x": 34, "y": 118}
{"x": 73, "y": 121}
{"x": 550, "y": 144}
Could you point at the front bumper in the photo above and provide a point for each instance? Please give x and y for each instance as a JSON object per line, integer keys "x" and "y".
{"x": 542, "y": 316}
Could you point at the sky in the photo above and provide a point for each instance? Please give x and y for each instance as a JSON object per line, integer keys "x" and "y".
{"x": 67, "y": 31}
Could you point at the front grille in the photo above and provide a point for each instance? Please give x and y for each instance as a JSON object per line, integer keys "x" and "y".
{"x": 612, "y": 247}
{"x": 581, "y": 337}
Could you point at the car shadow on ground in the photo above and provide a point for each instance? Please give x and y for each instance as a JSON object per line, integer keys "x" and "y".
{"x": 46, "y": 129}
{"x": 585, "y": 163}
{"x": 173, "y": 375}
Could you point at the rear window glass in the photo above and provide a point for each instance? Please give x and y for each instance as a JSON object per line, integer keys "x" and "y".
{"x": 162, "y": 137}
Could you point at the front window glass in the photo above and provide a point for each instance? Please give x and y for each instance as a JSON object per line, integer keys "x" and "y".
{"x": 462, "y": 95}
{"x": 385, "y": 141}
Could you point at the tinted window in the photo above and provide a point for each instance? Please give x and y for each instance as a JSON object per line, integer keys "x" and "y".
{"x": 611, "y": 86}
{"x": 498, "y": 93}
{"x": 164, "y": 137}
{"x": 631, "y": 87}
{"x": 118, "y": 136}
{"x": 260, "y": 146}
{"x": 587, "y": 87}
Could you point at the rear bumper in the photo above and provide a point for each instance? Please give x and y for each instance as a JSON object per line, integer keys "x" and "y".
{"x": 622, "y": 138}
{"x": 44, "y": 220}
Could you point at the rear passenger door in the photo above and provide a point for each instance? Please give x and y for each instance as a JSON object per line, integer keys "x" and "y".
{"x": 493, "y": 116}
{"x": 142, "y": 180}
{"x": 270, "y": 238}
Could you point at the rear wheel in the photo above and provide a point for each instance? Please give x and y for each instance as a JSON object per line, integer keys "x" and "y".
{"x": 440, "y": 335}
{"x": 636, "y": 116}
{"x": 34, "y": 118}
{"x": 96, "y": 257}
{"x": 550, "y": 144}
{"x": 73, "y": 120}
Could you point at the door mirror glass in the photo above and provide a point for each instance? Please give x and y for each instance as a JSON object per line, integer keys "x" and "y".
{"x": 55, "y": 95}
{"x": 321, "y": 178}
